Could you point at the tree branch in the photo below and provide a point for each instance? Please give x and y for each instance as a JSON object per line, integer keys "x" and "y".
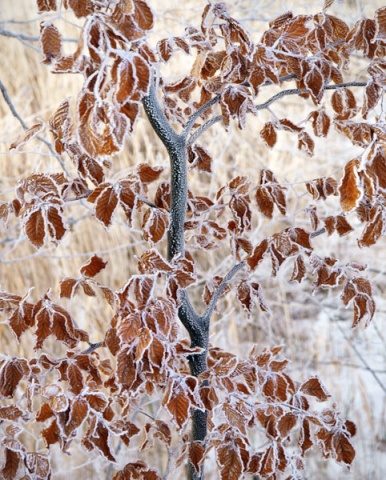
{"x": 217, "y": 294}
{"x": 158, "y": 119}
{"x": 29, "y": 38}
{"x": 197, "y": 114}
{"x": 24, "y": 125}
{"x": 262, "y": 106}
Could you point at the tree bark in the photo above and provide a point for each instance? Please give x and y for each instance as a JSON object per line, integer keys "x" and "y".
{"x": 197, "y": 327}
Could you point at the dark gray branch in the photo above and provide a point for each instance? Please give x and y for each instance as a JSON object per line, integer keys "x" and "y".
{"x": 158, "y": 119}
{"x": 91, "y": 348}
{"x": 197, "y": 114}
{"x": 262, "y": 106}
{"x": 197, "y": 329}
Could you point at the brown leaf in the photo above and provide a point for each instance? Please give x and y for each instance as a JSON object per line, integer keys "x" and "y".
{"x": 372, "y": 231}
{"x": 55, "y": 224}
{"x": 196, "y": 455}
{"x": 258, "y": 254}
{"x": 344, "y": 451}
{"x": 35, "y": 228}
{"x": 342, "y": 226}
{"x": 154, "y": 225}
{"x": 235, "y": 102}
{"x": 93, "y": 266}
{"x": 145, "y": 338}
{"x": 359, "y": 289}
{"x": 264, "y": 201}
{"x": 349, "y": 191}
{"x": 199, "y": 157}
{"x": 380, "y": 24}
{"x": 151, "y": 262}
{"x": 306, "y": 143}
{"x": 11, "y": 412}
{"x": 312, "y": 212}
{"x": 321, "y": 188}
{"x": 105, "y": 205}
{"x": 81, "y": 8}
{"x": 344, "y": 104}
{"x": 28, "y": 135}
{"x": 46, "y": 5}
{"x": 45, "y": 412}
{"x": 11, "y": 373}
{"x": 147, "y": 173}
{"x": 314, "y": 388}
{"x": 143, "y": 15}
{"x": 112, "y": 340}
{"x": 38, "y": 464}
{"x": 320, "y": 122}
{"x": 231, "y": 466}
{"x": 371, "y": 96}
{"x": 11, "y": 464}
{"x": 286, "y": 423}
{"x": 269, "y": 135}
{"x": 289, "y": 126}
{"x": 165, "y": 49}
{"x": 75, "y": 379}
{"x": 68, "y": 287}
{"x": 305, "y": 441}
{"x": 78, "y": 413}
{"x": 177, "y": 403}
{"x": 299, "y": 270}
{"x": 51, "y": 434}
{"x": 314, "y": 83}
{"x": 22, "y": 318}
{"x": 51, "y": 41}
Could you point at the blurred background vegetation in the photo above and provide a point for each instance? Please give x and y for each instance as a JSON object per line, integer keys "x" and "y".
{"x": 314, "y": 328}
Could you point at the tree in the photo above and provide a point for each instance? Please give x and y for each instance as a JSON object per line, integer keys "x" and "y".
{"x": 215, "y": 401}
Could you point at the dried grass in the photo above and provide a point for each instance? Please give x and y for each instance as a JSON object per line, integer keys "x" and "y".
{"x": 315, "y": 329}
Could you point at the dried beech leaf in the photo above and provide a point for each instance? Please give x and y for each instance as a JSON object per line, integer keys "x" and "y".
{"x": 258, "y": 254}
{"x": 372, "y": 231}
{"x": 155, "y": 224}
{"x": 314, "y": 388}
{"x": 35, "y": 228}
{"x": 148, "y": 174}
{"x": 28, "y": 135}
{"x": 93, "y": 266}
{"x": 269, "y": 135}
{"x": 51, "y": 41}
{"x": 46, "y": 5}
{"x": 306, "y": 143}
{"x": 11, "y": 373}
{"x": 349, "y": 190}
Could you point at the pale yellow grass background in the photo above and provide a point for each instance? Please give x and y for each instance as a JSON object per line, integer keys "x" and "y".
{"x": 315, "y": 329}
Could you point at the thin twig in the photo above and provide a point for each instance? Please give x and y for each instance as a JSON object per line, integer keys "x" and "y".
{"x": 217, "y": 294}
{"x": 318, "y": 232}
{"x": 11, "y": 106}
{"x": 262, "y": 106}
{"x": 361, "y": 358}
{"x": 24, "y": 125}
{"x": 84, "y": 195}
{"x": 148, "y": 202}
{"x": 202, "y": 129}
{"x": 338, "y": 363}
{"x": 197, "y": 114}
{"x": 215, "y": 100}
{"x": 91, "y": 348}
{"x": 28, "y": 38}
